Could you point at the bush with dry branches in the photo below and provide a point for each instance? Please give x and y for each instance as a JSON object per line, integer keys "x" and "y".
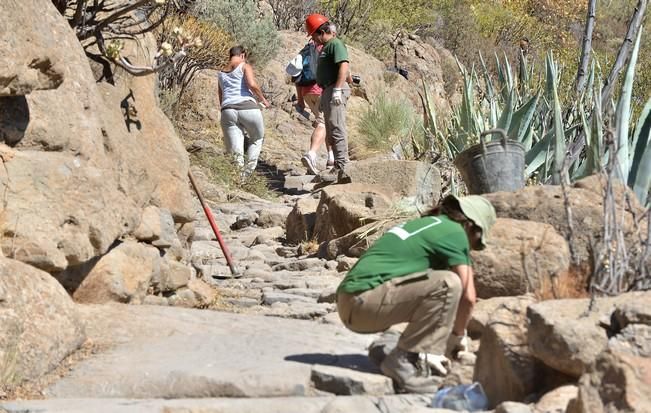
{"x": 210, "y": 53}
{"x": 107, "y": 24}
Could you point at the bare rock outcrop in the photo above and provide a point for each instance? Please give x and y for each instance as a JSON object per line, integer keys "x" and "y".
{"x": 545, "y": 204}
{"x": 28, "y": 57}
{"x": 616, "y": 382}
{"x": 505, "y": 366}
{"x": 566, "y": 336}
{"x": 521, "y": 254}
{"x": 39, "y": 323}
{"x": 88, "y": 156}
{"x": 344, "y": 208}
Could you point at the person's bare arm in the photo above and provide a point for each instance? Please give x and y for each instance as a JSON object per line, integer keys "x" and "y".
{"x": 468, "y": 298}
{"x": 342, "y": 74}
{"x": 219, "y": 93}
{"x": 253, "y": 85}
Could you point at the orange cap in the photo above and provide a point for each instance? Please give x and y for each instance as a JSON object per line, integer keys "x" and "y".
{"x": 313, "y": 22}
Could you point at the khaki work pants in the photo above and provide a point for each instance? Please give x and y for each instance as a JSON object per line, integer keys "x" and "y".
{"x": 427, "y": 301}
{"x": 335, "y": 123}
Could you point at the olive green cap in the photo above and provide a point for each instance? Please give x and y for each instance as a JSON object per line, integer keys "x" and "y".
{"x": 480, "y": 211}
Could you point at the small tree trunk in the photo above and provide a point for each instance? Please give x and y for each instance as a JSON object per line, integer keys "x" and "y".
{"x": 624, "y": 51}
{"x": 586, "y": 47}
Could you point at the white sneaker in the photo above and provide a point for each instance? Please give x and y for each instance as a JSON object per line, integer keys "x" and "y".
{"x": 310, "y": 164}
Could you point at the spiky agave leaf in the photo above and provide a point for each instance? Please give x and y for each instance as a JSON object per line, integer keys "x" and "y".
{"x": 623, "y": 114}
{"x": 640, "y": 175}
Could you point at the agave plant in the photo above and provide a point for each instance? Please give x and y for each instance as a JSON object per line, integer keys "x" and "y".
{"x": 533, "y": 114}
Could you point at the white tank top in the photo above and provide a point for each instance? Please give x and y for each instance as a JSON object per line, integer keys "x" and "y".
{"x": 234, "y": 87}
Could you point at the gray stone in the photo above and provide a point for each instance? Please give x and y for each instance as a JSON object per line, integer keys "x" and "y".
{"x": 300, "y": 222}
{"x": 321, "y": 404}
{"x": 345, "y": 263}
{"x": 275, "y": 217}
{"x": 300, "y": 265}
{"x": 156, "y": 226}
{"x": 287, "y": 252}
{"x": 327, "y": 296}
{"x": 183, "y": 297}
{"x": 40, "y": 325}
{"x": 417, "y": 182}
{"x": 556, "y": 401}
{"x": 174, "y": 275}
{"x": 305, "y": 292}
{"x": 615, "y": 382}
{"x": 203, "y": 353}
{"x": 155, "y": 300}
{"x": 346, "y": 381}
{"x": 269, "y": 298}
{"x": 513, "y": 407}
{"x": 77, "y": 145}
{"x": 245, "y": 219}
{"x": 521, "y": 256}
{"x": 568, "y": 337}
{"x": 123, "y": 275}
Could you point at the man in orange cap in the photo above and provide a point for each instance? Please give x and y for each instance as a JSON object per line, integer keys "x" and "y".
{"x": 331, "y": 75}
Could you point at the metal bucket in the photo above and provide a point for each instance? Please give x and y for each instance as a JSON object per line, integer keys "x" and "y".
{"x": 493, "y": 166}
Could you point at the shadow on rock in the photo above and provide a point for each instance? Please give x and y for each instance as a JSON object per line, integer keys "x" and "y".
{"x": 357, "y": 362}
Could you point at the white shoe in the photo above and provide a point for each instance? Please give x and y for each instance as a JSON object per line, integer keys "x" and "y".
{"x": 310, "y": 164}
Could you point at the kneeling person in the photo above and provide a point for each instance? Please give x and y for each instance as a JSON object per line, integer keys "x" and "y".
{"x": 420, "y": 273}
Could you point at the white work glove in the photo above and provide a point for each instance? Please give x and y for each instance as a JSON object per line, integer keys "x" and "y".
{"x": 436, "y": 362}
{"x": 337, "y": 96}
{"x": 458, "y": 344}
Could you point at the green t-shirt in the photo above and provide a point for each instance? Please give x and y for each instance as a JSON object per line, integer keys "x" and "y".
{"x": 434, "y": 242}
{"x": 332, "y": 53}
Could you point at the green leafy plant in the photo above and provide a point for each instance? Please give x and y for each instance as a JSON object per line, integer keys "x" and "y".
{"x": 241, "y": 19}
{"x": 387, "y": 123}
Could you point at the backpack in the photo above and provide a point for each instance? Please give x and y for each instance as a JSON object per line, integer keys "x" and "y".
{"x": 310, "y": 58}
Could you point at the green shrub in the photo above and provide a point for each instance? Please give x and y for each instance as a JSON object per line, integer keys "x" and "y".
{"x": 240, "y": 18}
{"x": 386, "y": 123}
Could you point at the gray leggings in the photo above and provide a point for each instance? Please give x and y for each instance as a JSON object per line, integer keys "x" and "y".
{"x": 232, "y": 122}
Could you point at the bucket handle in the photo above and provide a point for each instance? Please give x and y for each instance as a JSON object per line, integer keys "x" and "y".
{"x": 500, "y": 131}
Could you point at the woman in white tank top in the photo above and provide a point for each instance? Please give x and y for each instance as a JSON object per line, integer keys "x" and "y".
{"x": 240, "y": 111}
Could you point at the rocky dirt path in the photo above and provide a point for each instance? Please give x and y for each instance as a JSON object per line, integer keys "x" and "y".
{"x": 271, "y": 341}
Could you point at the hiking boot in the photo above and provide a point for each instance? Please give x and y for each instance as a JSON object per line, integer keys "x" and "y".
{"x": 380, "y": 348}
{"x": 310, "y": 164}
{"x": 342, "y": 177}
{"x": 409, "y": 373}
{"x": 329, "y": 176}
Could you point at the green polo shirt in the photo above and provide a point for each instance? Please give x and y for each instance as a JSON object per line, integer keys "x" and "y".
{"x": 434, "y": 242}
{"x": 332, "y": 54}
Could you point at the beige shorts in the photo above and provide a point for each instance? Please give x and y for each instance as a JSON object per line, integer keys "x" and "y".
{"x": 314, "y": 102}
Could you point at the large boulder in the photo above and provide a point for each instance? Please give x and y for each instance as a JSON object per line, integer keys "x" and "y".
{"x": 545, "y": 203}
{"x": 300, "y": 221}
{"x": 505, "y": 367}
{"x": 123, "y": 275}
{"x": 39, "y": 324}
{"x": 356, "y": 242}
{"x": 417, "y": 183}
{"x": 34, "y": 66}
{"x": 520, "y": 255}
{"x": 87, "y": 154}
{"x": 567, "y": 335}
{"x": 344, "y": 208}
{"x": 615, "y": 382}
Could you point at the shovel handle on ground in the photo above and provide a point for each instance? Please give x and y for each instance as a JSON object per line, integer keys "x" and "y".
{"x": 213, "y": 225}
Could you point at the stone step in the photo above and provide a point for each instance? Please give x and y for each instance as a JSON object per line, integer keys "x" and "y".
{"x": 323, "y": 404}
